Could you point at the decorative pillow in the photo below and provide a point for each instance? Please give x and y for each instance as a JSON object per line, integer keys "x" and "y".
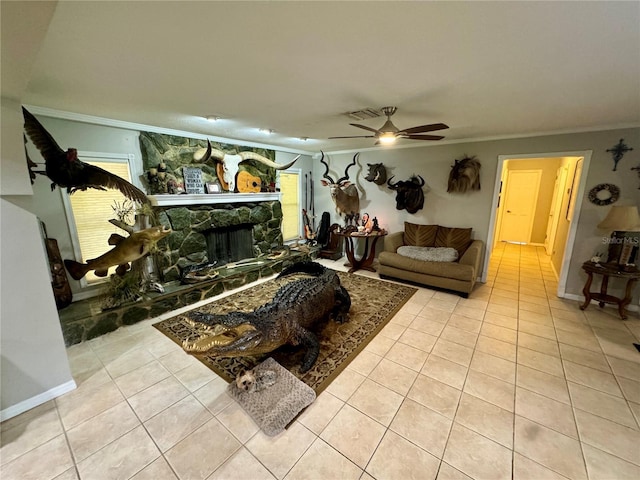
{"x": 429, "y": 254}
{"x": 458, "y": 238}
{"x": 419, "y": 235}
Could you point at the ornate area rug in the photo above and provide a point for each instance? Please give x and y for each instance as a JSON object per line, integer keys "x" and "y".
{"x": 373, "y": 303}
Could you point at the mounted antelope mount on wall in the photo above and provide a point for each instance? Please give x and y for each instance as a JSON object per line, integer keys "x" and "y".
{"x": 376, "y": 174}
{"x": 464, "y": 175}
{"x": 409, "y": 194}
{"x": 344, "y": 194}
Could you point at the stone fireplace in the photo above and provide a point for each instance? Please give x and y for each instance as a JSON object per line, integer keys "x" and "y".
{"x": 224, "y": 231}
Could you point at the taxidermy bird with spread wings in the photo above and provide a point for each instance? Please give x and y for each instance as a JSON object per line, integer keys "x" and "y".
{"x": 65, "y": 169}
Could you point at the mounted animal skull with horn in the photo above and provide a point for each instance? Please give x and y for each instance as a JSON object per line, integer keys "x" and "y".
{"x": 409, "y": 194}
{"x": 227, "y": 165}
{"x": 344, "y": 194}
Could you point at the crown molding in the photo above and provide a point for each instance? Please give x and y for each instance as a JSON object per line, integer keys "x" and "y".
{"x": 110, "y": 122}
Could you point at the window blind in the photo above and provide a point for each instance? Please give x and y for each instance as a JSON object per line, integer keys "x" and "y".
{"x": 92, "y": 209}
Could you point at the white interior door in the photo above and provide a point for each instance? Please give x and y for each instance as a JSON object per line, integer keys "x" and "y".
{"x": 520, "y": 199}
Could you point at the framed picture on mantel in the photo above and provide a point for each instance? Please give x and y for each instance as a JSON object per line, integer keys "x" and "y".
{"x": 213, "y": 188}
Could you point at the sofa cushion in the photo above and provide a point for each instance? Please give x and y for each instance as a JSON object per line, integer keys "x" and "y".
{"x": 438, "y": 269}
{"x": 458, "y": 238}
{"x": 429, "y": 254}
{"x": 416, "y": 235}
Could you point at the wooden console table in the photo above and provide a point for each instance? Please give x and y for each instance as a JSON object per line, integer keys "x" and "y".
{"x": 366, "y": 261}
{"x": 608, "y": 270}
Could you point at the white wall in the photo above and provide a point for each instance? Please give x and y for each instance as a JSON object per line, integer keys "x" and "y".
{"x": 34, "y": 360}
{"x": 433, "y": 163}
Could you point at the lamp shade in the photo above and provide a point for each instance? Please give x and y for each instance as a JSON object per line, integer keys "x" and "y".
{"x": 624, "y": 218}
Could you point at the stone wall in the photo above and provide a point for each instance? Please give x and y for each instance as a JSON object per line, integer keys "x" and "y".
{"x": 187, "y": 244}
{"x": 174, "y": 153}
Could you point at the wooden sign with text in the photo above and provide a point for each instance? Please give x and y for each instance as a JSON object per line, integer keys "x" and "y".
{"x": 193, "y": 182}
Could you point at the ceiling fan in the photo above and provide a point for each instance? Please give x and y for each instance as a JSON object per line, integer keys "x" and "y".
{"x": 389, "y": 133}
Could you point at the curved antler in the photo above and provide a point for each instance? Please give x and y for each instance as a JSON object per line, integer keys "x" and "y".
{"x": 392, "y": 186}
{"x": 346, "y": 171}
{"x": 202, "y": 155}
{"x": 423, "y": 182}
{"x": 266, "y": 161}
{"x": 326, "y": 166}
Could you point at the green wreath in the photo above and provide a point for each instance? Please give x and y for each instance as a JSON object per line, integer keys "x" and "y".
{"x": 611, "y": 192}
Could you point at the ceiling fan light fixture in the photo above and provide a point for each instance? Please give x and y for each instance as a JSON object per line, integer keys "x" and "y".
{"x": 387, "y": 138}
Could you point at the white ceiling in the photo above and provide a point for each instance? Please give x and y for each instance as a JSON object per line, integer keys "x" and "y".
{"x": 487, "y": 69}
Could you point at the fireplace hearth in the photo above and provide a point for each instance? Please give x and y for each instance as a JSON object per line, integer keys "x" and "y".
{"x": 220, "y": 232}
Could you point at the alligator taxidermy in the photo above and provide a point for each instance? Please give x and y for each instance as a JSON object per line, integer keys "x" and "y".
{"x": 289, "y": 318}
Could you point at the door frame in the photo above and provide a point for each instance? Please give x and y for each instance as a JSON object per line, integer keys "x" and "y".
{"x": 505, "y": 189}
{"x": 571, "y": 237}
{"x": 556, "y": 203}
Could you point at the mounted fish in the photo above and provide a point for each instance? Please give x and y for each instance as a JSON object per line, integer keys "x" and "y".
{"x": 126, "y": 250}
{"x": 65, "y": 169}
{"x": 464, "y": 175}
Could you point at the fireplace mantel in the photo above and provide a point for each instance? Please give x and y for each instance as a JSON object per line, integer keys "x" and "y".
{"x": 211, "y": 199}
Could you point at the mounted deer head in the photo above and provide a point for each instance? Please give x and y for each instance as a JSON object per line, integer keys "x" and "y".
{"x": 344, "y": 194}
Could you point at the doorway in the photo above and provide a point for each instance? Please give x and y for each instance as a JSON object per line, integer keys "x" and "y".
{"x": 536, "y": 202}
{"x": 520, "y": 199}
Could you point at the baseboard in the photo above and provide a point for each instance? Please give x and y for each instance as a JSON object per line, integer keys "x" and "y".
{"x": 580, "y": 298}
{"x": 39, "y": 399}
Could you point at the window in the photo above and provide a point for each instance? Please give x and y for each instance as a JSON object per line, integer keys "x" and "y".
{"x": 290, "y": 200}
{"x": 91, "y": 210}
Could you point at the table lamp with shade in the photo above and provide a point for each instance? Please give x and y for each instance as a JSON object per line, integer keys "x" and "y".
{"x": 624, "y": 222}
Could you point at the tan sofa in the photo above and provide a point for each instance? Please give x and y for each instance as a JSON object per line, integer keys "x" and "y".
{"x": 459, "y": 276}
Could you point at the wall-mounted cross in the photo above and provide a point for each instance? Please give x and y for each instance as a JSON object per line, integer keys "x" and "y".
{"x": 618, "y": 151}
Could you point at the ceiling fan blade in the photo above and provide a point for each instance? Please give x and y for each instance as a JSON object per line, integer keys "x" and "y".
{"x": 356, "y": 136}
{"x": 423, "y": 137}
{"x": 424, "y": 128}
{"x": 365, "y": 127}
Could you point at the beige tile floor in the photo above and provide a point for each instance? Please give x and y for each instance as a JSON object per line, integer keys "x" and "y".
{"x": 510, "y": 383}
